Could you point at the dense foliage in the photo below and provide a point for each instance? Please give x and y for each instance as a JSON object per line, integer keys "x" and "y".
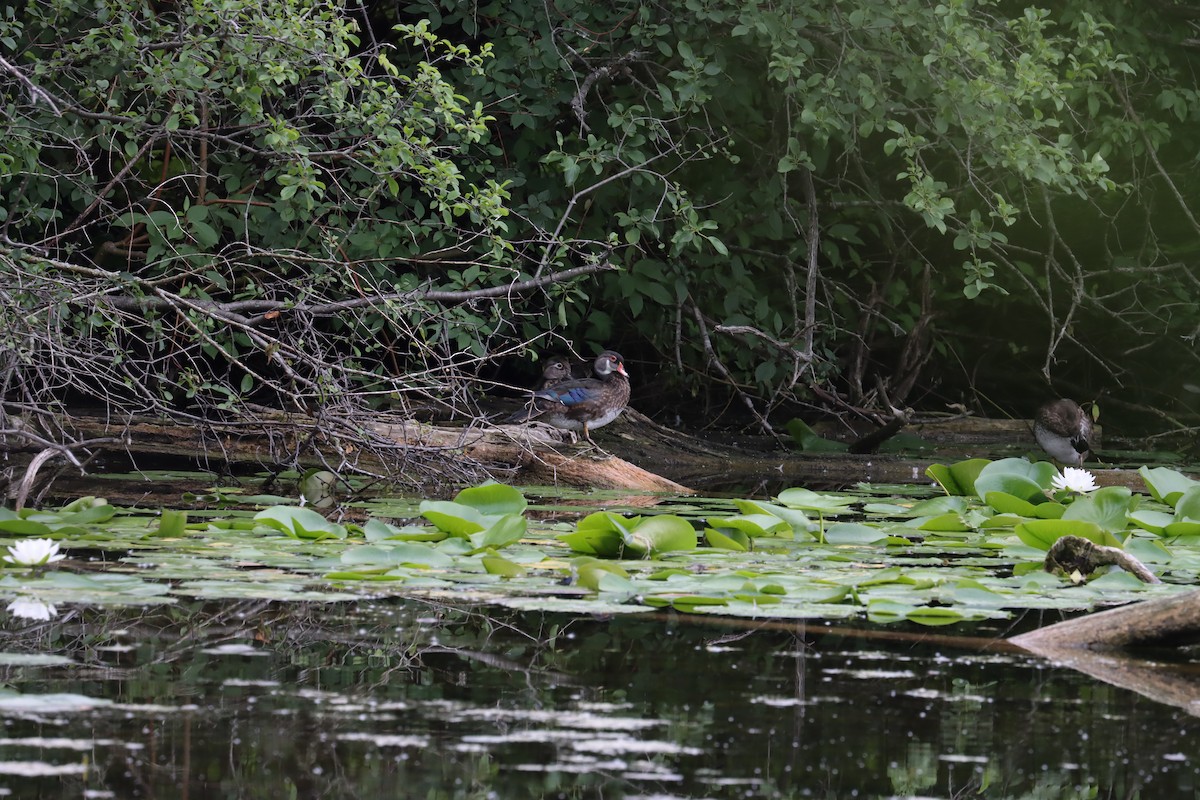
{"x": 827, "y": 199}
{"x": 854, "y": 205}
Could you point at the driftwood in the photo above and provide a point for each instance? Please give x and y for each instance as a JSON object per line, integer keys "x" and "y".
{"x": 389, "y": 448}
{"x": 1164, "y": 622}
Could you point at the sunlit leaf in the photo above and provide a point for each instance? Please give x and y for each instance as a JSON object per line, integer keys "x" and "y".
{"x": 1017, "y": 477}
{"x": 504, "y": 531}
{"x": 1108, "y": 508}
{"x": 730, "y": 539}
{"x": 844, "y": 533}
{"x": 172, "y": 523}
{"x": 493, "y": 499}
{"x": 1166, "y": 485}
{"x": 812, "y": 501}
{"x": 958, "y": 478}
{"x": 456, "y": 519}
{"x": 300, "y": 523}
{"x": 1042, "y": 533}
{"x": 497, "y": 565}
{"x": 661, "y": 534}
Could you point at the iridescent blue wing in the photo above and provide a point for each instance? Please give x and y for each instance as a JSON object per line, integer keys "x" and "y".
{"x": 568, "y": 395}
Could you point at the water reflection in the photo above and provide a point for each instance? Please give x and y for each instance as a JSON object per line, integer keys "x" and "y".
{"x": 405, "y": 699}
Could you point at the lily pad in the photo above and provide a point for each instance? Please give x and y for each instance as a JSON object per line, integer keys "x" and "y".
{"x": 1166, "y": 485}
{"x": 1017, "y": 477}
{"x": 300, "y": 523}
{"x": 958, "y": 478}
{"x": 1042, "y": 533}
{"x": 807, "y": 500}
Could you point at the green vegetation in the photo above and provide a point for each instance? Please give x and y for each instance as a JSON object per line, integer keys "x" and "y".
{"x": 205, "y": 209}
{"x": 882, "y": 555}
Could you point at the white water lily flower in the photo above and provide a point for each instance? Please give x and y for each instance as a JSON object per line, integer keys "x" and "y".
{"x": 31, "y": 609}
{"x": 1074, "y": 479}
{"x": 33, "y": 553}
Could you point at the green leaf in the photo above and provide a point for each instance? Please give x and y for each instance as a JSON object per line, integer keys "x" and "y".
{"x": 812, "y": 501}
{"x": 493, "y": 499}
{"x": 1108, "y": 508}
{"x": 1166, "y": 485}
{"x": 853, "y": 533}
{"x": 751, "y": 524}
{"x": 793, "y": 517}
{"x": 1042, "y": 533}
{"x": 810, "y": 441}
{"x": 1005, "y": 503}
{"x": 504, "y": 531}
{"x": 662, "y": 534}
{"x": 958, "y": 479}
{"x": 172, "y": 523}
{"x": 592, "y": 573}
{"x": 1153, "y": 521}
{"x": 454, "y": 518}
{"x": 727, "y": 540}
{"x": 300, "y": 523}
{"x": 1017, "y": 477}
{"x": 496, "y": 565}
{"x": 24, "y": 527}
{"x": 1187, "y": 507}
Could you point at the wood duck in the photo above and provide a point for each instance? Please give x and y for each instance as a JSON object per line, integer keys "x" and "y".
{"x": 557, "y": 370}
{"x": 1064, "y": 431}
{"x": 582, "y": 404}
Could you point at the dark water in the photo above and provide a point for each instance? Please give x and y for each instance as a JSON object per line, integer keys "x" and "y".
{"x": 407, "y": 699}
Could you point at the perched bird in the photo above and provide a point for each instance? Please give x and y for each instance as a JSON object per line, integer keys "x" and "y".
{"x": 582, "y": 404}
{"x": 557, "y": 370}
{"x": 1064, "y": 431}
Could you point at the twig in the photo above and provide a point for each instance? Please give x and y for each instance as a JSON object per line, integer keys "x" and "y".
{"x": 729, "y": 379}
{"x": 595, "y": 75}
{"x": 35, "y": 91}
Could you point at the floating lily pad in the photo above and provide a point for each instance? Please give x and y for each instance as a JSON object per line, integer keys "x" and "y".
{"x": 1166, "y": 485}
{"x": 807, "y": 500}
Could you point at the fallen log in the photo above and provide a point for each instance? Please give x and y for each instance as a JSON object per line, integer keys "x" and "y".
{"x": 1163, "y": 622}
{"x": 1093, "y": 645}
{"x": 393, "y": 449}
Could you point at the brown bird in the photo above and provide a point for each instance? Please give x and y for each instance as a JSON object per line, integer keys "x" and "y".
{"x": 557, "y": 370}
{"x": 582, "y": 404}
{"x": 1064, "y": 431}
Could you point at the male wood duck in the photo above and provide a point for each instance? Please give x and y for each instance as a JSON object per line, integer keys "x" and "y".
{"x": 582, "y": 404}
{"x": 1064, "y": 431}
{"x": 557, "y": 370}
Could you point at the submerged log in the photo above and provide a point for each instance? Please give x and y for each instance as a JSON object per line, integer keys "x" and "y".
{"x": 1164, "y": 622}
{"x": 1093, "y": 645}
{"x": 394, "y": 449}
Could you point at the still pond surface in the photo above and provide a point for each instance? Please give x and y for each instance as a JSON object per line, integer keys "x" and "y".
{"x": 400, "y": 698}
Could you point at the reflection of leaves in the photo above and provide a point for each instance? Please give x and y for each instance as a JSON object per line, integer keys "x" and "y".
{"x": 102, "y": 588}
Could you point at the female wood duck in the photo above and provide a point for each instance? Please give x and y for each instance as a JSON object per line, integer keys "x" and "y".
{"x": 557, "y": 370}
{"x": 1064, "y": 431}
{"x": 582, "y": 404}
